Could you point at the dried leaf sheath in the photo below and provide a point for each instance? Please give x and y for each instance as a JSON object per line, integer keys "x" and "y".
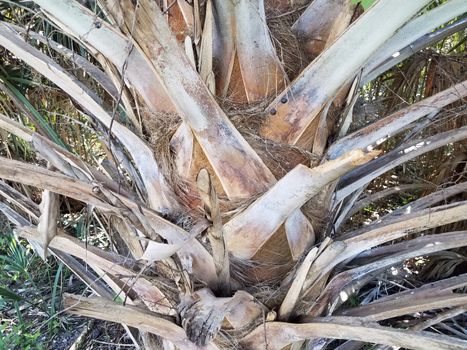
{"x": 47, "y": 226}
{"x": 261, "y": 70}
{"x": 159, "y": 195}
{"x": 205, "y": 218}
{"x": 289, "y": 122}
{"x": 322, "y": 23}
{"x": 93, "y": 194}
{"x": 222, "y": 144}
{"x": 263, "y": 217}
{"x": 224, "y": 147}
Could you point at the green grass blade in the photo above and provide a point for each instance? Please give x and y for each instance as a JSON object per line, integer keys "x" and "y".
{"x": 8, "y": 294}
{"x": 43, "y": 122}
{"x": 54, "y": 289}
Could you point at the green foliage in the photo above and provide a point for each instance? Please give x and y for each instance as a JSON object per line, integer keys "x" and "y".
{"x": 353, "y": 301}
{"x": 19, "y": 336}
{"x": 365, "y": 3}
{"x": 41, "y": 120}
{"x": 22, "y": 292}
{"x": 16, "y": 259}
{"x": 53, "y": 300}
{"x": 6, "y": 293}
